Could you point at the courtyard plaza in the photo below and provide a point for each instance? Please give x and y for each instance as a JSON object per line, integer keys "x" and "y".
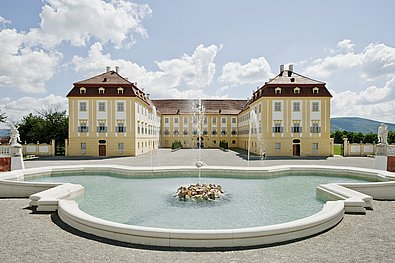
{"x": 35, "y": 237}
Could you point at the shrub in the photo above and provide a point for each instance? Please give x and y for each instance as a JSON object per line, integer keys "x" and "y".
{"x": 176, "y": 145}
{"x": 223, "y": 144}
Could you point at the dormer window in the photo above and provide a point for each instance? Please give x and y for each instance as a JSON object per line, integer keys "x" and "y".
{"x": 120, "y": 90}
{"x": 82, "y": 90}
{"x": 101, "y": 90}
{"x": 316, "y": 90}
{"x": 296, "y": 90}
{"x": 277, "y": 90}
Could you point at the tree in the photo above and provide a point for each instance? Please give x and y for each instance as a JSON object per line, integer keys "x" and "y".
{"x": 357, "y": 137}
{"x": 370, "y": 138}
{"x": 3, "y": 117}
{"x": 391, "y": 137}
{"x": 31, "y": 129}
{"x": 56, "y": 123}
{"x": 338, "y": 136}
{"x": 49, "y": 122}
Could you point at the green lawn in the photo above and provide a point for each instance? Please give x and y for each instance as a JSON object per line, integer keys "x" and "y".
{"x": 337, "y": 149}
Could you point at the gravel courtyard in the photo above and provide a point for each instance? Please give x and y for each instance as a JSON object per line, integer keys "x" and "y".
{"x": 32, "y": 237}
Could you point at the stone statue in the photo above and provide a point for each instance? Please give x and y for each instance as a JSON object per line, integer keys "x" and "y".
{"x": 383, "y": 134}
{"x": 15, "y": 137}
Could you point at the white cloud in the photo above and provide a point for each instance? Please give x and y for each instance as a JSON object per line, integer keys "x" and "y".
{"x": 29, "y": 59}
{"x": 329, "y": 65}
{"x": 378, "y": 60}
{"x": 373, "y": 102}
{"x": 78, "y": 21}
{"x": 16, "y": 109}
{"x": 370, "y": 74}
{"x": 181, "y": 77}
{"x": 24, "y": 65}
{"x": 4, "y": 21}
{"x": 374, "y": 61}
{"x": 257, "y": 71}
{"x": 346, "y": 45}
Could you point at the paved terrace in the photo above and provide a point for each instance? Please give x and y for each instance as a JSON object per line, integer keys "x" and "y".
{"x": 28, "y": 237}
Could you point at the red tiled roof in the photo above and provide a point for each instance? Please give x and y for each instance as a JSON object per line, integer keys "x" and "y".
{"x": 110, "y": 81}
{"x": 106, "y": 78}
{"x": 288, "y": 80}
{"x": 185, "y": 106}
{"x": 291, "y": 77}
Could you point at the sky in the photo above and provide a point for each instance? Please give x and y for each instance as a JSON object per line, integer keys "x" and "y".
{"x": 198, "y": 49}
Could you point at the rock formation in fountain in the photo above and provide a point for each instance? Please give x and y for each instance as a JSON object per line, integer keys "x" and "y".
{"x": 199, "y": 192}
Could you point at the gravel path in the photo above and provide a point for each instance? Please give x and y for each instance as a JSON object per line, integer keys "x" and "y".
{"x": 27, "y": 237}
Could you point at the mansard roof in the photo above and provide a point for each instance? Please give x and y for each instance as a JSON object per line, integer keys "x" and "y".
{"x": 285, "y": 84}
{"x": 107, "y": 78}
{"x": 292, "y": 78}
{"x": 110, "y": 81}
{"x": 212, "y": 106}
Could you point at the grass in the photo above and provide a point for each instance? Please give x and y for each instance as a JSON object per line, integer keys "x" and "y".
{"x": 337, "y": 149}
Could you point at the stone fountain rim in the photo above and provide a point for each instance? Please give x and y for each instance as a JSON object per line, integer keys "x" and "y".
{"x": 69, "y": 212}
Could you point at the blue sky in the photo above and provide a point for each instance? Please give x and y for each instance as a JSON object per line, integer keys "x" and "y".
{"x": 207, "y": 49}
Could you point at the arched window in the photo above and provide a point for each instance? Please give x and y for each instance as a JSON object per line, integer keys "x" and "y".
{"x": 120, "y": 90}
{"x": 101, "y": 90}
{"x": 316, "y": 90}
{"x": 82, "y": 90}
{"x": 277, "y": 90}
{"x": 296, "y": 90}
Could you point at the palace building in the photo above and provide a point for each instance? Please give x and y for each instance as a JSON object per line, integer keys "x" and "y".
{"x": 288, "y": 116}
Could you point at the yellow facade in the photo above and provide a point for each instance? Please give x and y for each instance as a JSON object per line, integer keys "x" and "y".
{"x": 140, "y": 132}
{"x": 287, "y": 116}
{"x": 214, "y": 128}
{"x": 310, "y": 141}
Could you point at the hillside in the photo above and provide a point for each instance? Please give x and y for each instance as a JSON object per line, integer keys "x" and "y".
{"x": 4, "y": 132}
{"x": 354, "y": 124}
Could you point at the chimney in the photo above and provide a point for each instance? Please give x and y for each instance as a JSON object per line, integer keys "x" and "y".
{"x": 147, "y": 95}
{"x": 281, "y": 68}
{"x": 108, "y": 68}
{"x": 116, "y": 69}
{"x": 291, "y": 67}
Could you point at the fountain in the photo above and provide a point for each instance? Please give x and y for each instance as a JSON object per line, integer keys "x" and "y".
{"x": 153, "y": 127}
{"x": 199, "y": 191}
{"x": 198, "y": 116}
{"x": 254, "y": 124}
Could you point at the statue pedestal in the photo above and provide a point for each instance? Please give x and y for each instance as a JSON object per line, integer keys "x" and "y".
{"x": 380, "y": 161}
{"x": 16, "y": 157}
{"x": 385, "y": 158}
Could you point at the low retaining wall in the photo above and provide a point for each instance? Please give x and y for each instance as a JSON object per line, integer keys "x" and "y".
{"x": 5, "y": 164}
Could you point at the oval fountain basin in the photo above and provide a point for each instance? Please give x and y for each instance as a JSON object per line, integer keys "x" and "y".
{"x": 246, "y": 203}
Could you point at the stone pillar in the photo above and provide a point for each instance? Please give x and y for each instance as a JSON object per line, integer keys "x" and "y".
{"x": 380, "y": 160}
{"x": 361, "y": 149}
{"x": 391, "y": 158}
{"x": 345, "y": 147}
{"x": 332, "y": 143}
{"x": 16, "y": 157}
{"x": 38, "y": 148}
{"x": 66, "y": 147}
{"x": 53, "y": 145}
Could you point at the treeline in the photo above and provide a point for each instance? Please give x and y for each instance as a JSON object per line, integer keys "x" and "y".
{"x": 47, "y": 124}
{"x": 358, "y": 137}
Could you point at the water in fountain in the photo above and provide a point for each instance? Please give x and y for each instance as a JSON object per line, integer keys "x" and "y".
{"x": 199, "y": 191}
{"x": 254, "y": 126}
{"x": 153, "y": 131}
{"x": 198, "y": 116}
